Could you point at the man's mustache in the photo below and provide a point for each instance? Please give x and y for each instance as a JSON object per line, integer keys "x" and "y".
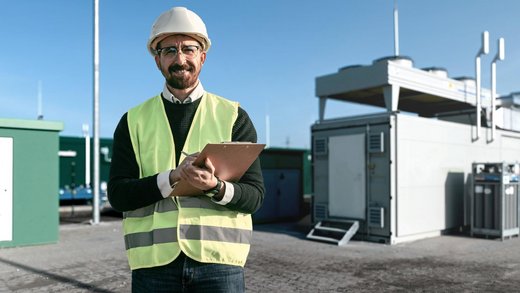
{"x": 178, "y": 67}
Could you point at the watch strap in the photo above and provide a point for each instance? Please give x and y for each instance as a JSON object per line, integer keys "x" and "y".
{"x": 215, "y": 190}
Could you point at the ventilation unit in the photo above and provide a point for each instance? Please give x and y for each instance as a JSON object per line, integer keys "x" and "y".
{"x": 376, "y": 217}
{"x": 376, "y": 143}
{"x": 320, "y": 211}
{"x": 320, "y": 146}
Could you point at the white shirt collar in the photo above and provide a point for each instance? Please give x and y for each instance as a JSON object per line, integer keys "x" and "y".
{"x": 196, "y": 94}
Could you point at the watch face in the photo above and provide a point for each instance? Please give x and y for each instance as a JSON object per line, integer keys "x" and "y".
{"x": 211, "y": 193}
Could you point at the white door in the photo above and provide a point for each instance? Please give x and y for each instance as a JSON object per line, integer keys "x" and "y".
{"x": 6, "y": 188}
{"x": 347, "y": 185}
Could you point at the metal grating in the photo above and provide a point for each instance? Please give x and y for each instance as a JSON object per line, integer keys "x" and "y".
{"x": 320, "y": 146}
{"x": 320, "y": 211}
{"x": 376, "y": 217}
{"x": 376, "y": 143}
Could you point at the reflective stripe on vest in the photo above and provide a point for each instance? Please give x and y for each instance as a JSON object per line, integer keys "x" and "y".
{"x": 188, "y": 232}
{"x": 203, "y": 230}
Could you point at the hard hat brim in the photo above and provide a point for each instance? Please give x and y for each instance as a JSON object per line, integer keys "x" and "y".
{"x": 152, "y": 45}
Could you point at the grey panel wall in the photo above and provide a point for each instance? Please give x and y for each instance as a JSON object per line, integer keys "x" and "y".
{"x": 419, "y": 179}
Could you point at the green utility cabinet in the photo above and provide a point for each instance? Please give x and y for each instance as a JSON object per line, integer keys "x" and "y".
{"x": 287, "y": 176}
{"x": 29, "y": 174}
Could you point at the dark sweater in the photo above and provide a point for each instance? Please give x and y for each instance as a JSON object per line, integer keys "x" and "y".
{"x": 127, "y": 192}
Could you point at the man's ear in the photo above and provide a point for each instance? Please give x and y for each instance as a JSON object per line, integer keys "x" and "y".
{"x": 202, "y": 58}
{"x": 158, "y": 61}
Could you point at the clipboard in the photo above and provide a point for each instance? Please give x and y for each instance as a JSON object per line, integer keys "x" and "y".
{"x": 231, "y": 161}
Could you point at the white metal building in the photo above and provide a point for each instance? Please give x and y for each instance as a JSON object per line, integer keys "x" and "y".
{"x": 404, "y": 174}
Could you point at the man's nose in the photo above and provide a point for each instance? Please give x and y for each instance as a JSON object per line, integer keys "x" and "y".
{"x": 180, "y": 58}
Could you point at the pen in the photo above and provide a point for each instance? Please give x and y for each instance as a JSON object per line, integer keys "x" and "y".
{"x": 185, "y": 153}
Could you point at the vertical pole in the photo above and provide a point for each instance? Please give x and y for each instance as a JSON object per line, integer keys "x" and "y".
{"x": 396, "y": 30}
{"x": 95, "y": 209}
{"x": 267, "y": 131}
{"x": 40, "y": 101}
{"x": 478, "y": 106}
{"x": 86, "y": 135}
{"x": 493, "y": 97}
{"x": 499, "y": 56}
{"x": 483, "y": 51}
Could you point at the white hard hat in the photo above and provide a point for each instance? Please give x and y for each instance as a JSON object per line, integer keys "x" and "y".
{"x": 178, "y": 20}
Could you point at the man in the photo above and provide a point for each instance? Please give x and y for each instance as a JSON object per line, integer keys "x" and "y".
{"x": 182, "y": 243}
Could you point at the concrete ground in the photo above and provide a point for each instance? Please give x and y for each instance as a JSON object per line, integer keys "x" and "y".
{"x": 91, "y": 258}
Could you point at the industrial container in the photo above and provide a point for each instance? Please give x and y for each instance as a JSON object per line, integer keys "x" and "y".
{"x": 286, "y": 175}
{"x": 28, "y": 182}
{"x": 403, "y": 173}
{"x": 494, "y": 199}
{"x": 75, "y": 183}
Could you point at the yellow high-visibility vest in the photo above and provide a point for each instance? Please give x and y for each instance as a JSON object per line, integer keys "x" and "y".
{"x": 205, "y": 231}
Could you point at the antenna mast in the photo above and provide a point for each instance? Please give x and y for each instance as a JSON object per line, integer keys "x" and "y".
{"x": 40, "y": 101}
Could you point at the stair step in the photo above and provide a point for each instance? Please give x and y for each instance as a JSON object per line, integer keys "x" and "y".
{"x": 326, "y": 239}
{"x": 339, "y": 232}
{"x": 325, "y": 228}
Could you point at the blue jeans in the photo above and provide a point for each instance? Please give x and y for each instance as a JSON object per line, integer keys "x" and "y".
{"x": 187, "y": 275}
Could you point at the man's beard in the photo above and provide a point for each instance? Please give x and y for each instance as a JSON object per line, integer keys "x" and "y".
{"x": 183, "y": 82}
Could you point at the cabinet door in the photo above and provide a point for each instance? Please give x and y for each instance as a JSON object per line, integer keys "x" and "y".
{"x": 347, "y": 184}
{"x": 289, "y": 193}
{"x": 6, "y": 188}
{"x": 283, "y": 193}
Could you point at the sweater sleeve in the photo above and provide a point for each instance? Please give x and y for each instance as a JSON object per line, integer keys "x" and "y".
{"x": 249, "y": 190}
{"x": 126, "y": 191}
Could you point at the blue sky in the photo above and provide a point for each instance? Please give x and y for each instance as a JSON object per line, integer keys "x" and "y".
{"x": 265, "y": 54}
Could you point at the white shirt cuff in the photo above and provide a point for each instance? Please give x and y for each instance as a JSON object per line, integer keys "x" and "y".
{"x": 228, "y": 194}
{"x": 163, "y": 182}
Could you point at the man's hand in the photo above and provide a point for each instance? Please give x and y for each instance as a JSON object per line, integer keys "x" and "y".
{"x": 175, "y": 174}
{"x": 202, "y": 178}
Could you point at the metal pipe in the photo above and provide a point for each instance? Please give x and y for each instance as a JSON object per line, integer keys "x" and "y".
{"x": 86, "y": 135}
{"x": 493, "y": 97}
{"x": 367, "y": 181}
{"x": 478, "y": 106}
{"x": 267, "y": 131}
{"x": 499, "y": 56}
{"x": 396, "y": 29}
{"x": 95, "y": 209}
{"x": 40, "y": 101}
{"x": 483, "y": 50}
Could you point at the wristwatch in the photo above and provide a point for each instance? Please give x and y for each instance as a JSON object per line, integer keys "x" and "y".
{"x": 215, "y": 190}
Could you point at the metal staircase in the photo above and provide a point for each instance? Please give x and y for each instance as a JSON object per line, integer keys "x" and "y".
{"x": 334, "y": 231}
